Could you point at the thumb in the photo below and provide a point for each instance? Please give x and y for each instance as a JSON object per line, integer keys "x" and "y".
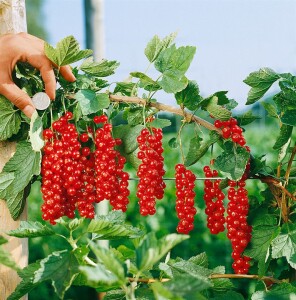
{"x": 18, "y": 97}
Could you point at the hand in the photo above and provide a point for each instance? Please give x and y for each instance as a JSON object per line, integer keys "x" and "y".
{"x": 26, "y": 48}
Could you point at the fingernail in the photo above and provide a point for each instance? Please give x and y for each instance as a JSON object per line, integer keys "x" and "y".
{"x": 29, "y": 110}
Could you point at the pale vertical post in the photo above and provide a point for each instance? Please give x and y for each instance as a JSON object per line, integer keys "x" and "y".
{"x": 12, "y": 20}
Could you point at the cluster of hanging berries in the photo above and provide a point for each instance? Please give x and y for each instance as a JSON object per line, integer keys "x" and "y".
{"x": 230, "y": 129}
{"x": 75, "y": 177}
{"x": 213, "y": 197}
{"x": 151, "y": 170}
{"x": 110, "y": 180}
{"x": 185, "y": 183}
{"x": 239, "y": 232}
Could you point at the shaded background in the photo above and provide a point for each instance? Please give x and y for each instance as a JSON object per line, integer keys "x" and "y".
{"x": 233, "y": 38}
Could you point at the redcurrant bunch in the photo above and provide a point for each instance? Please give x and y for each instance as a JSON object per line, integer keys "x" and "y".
{"x": 230, "y": 129}
{"x": 150, "y": 172}
{"x": 111, "y": 181}
{"x": 61, "y": 169}
{"x": 213, "y": 197}
{"x": 239, "y": 232}
{"x": 185, "y": 183}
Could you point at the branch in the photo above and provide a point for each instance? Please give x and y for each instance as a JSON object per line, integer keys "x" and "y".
{"x": 213, "y": 276}
{"x": 163, "y": 107}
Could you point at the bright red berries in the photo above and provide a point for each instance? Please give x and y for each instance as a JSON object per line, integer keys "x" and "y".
{"x": 230, "y": 129}
{"x": 151, "y": 170}
{"x": 213, "y": 197}
{"x": 185, "y": 183}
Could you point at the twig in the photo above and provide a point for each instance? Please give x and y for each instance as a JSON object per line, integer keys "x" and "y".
{"x": 213, "y": 276}
{"x": 163, "y": 107}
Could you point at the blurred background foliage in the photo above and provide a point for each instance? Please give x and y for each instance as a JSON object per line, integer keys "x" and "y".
{"x": 259, "y": 136}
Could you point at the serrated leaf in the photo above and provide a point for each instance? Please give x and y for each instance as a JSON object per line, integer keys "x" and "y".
{"x": 284, "y": 136}
{"x": 103, "y": 68}
{"x": 200, "y": 260}
{"x": 191, "y": 268}
{"x": 23, "y": 165}
{"x": 61, "y": 267}
{"x": 285, "y": 243}
{"x": 128, "y": 134}
{"x": 10, "y": 120}
{"x": 146, "y": 82}
{"x": 27, "y": 283}
{"x": 259, "y": 247}
{"x": 195, "y": 153}
{"x": 36, "y": 128}
{"x": 161, "y": 293}
{"x": 112, "y": 226}
{"x": 232, "y": 162}
{"x": 115, "y": 295}
{"x": 189, "y": 97}
{"x": 246, "y": 118}
{"x": 124, "y": 88}
{"x": 282, "y": 291}
{"x": 156, "y": 45}
{"x": 173, "y": 63}
{"x": 231, "y": 105}
{"x": 159, "y": 123}
{"x": 283, "y": 151}
{"x": 260, "y": 82}
{"x": 151, "y": 250}
{"x": 31, "y": 229}
{"x": 271, "y": 110}
{"x": 90, "y": 102}
{"x": 184, "y": 285}
{"x": 135, "y": 116}
{"x": 289, "y": 117}
{"x": 66, "y": 52}
{"x": 217, "y": 111}
{"x": 110, "y": 262}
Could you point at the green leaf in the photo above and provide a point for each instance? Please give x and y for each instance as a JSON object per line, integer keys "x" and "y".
{"x": 200, "y": 260}
{"x": 36, "y": 128}
{"x": 271, "y": 110}
{"x": 3, "y": 240}
{"x": 260, "y": 81}
{"x": 124, "y": 88}
{"x": 232, "y": 162}
{"x": 185, "y": 285}
{"x": 217, "y": 111}
{"x": 146, "y": 82}
{"x": 193, "y": 151}
{"x": 161, "y": 293}
{"x": 284, "y": 136}
{"x": 285, "y": 244}
{"x": 90, "y": 102}
{"x": 10, "y": 120}
{"x": 173, "y": 64}
{"x": 22, "y": 166}
{"x": 282, "y": 291}
{"x": 27, "y": 283}
{"x": 289, "y": 117}
{"x": 259, "y": 247}
{"x": 112, "y": 226}
{"x": 61, "y": 267}
{"x": 156, "y": 45}
{"x": 31, "y": 229}
{"x": 159, "y": 123}
{"x": 5, "y": 181}
{"x": 173, "y": 143}
{"x": 151, "y": 250}
{"x": 190, "y": 268}
{"x": 103, "y": 68}
{"x": 246, "y": 118}
{"x": 115, "y": 295}
{"x": 128, "y": 134}
{"x": 66, "y": 52}
{"x": 189, "y": 97}
{"x": 110, "y": 262}
{"x": 283, "y": 151}
{"x": 134, "y": 116}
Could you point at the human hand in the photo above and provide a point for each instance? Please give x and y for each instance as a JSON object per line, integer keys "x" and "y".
{"x": 26, "y": 48}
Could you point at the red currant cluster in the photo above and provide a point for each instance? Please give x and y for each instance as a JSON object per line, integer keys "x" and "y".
{"x": 61, "y": 170}
{"x": 230, "y": 129}
{"x": 151, "y": 170}
{"x": 185, "y": 183}
{"x": 111, "y": 181}
{"x": 213, "y": 197}
{"x": 239, "y": 232}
